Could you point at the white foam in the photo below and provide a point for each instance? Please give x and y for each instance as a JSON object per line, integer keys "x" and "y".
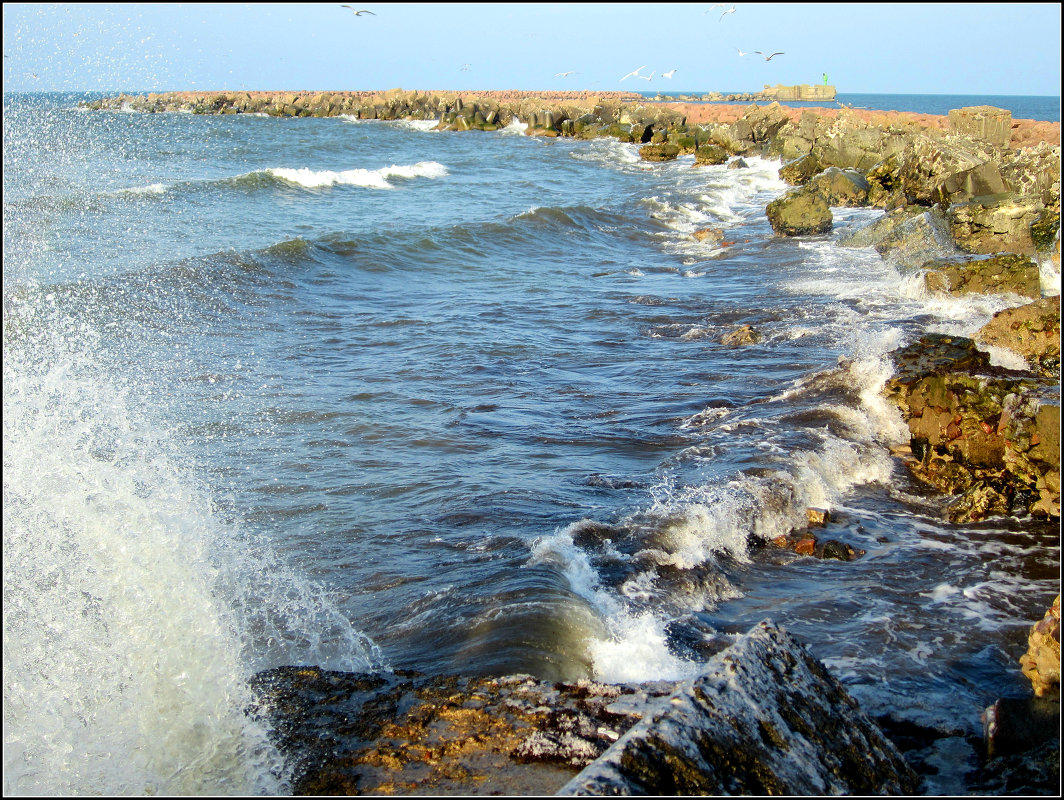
{"x": 368, "y": 178}
{"x": 130, "y": 609}
{"x": 634, "y": 646}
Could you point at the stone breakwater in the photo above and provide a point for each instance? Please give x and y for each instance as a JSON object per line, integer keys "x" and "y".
{"x": 971, "y": 204}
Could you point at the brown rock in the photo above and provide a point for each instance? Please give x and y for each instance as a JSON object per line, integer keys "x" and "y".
{"x": 800, "y": 212}
{"x": 1032, "y": 331}
{"x": 1041, "y": 662}
{"x": 708, "y": 234}
{"x": 1000, "y": 274}
{"x": 744, "y": 334}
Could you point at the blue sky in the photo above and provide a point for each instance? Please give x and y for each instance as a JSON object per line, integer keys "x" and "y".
{"x": 926, "y": 48}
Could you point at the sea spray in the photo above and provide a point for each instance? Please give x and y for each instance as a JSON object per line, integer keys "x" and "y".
{"x": 126, "y": 619}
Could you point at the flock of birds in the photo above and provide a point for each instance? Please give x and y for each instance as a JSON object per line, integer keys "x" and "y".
{"x": 634, "y": 73}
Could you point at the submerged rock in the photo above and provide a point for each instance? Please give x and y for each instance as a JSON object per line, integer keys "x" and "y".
{"x": 765, "y": 718}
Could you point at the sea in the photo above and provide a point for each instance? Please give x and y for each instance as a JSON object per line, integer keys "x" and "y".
{"x": 371, "y": 396}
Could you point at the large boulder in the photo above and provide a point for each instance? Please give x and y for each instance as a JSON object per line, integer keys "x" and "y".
{"x": 982, "y": 123}
{"x": 759, "y": 124}
{"x": 996, "y": 224}
{"x": 943, "y": 171}
{"x": 1032, "y": 331}
{"x": 841, "y": 187}
{"x": 906, "y": 237}
{"x": 764, "y": 719}
{"x": 710, "y": 154}
{"x": 1004, "y": 273}
{"x": 800, "y": 212}
{"x": 987, "y": 434}
{"x": 659, "y": 152}
{"x": 801, "y": 170}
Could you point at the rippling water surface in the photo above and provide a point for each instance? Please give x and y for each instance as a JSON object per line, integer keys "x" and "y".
{"x": 368, "y": 395}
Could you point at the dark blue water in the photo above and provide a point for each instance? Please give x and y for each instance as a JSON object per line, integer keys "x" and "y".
{"x": 368, "y": 395}
{"x": 1034, "y": 107}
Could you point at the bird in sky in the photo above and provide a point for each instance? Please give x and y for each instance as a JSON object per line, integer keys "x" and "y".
{"x": 715, "y": 5}
{"x": 359, "y": 13}
{"x": 646, "y": 77}
{"x": 564, "y": 74}
{"x": 768, "y": 58}
{"x": 465, "y": 67}
{"x": 740, "y": 52}
{"x": 635, "y": 72}
{"x": 668, "y": 74}
{"x": 729, "y": 11}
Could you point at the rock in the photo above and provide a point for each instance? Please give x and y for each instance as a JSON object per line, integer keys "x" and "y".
{"x": 988, "y": 434}
{"x": 800, "y": 212}
{"x": 938, "y": 171}
{"x": 1041, "y": 662}
{"x": 841, "y": 187}
{"x": 1001, "y": 274}
{"x": 659, "y": 152}
{"x": 817, "y": 517}
{"x": 738, "y": 163}
{"x": 759, "y": 124}
{"x": 764, "y": 718}
{"x": 996, "y": 224}
{"x": 1032, "y": 331}
{"x": 984, "y": 123}
{"x": 800, "y": 171}
{"x": 744, "y": 334}
{"x": 714, "y": 235}
{"x": 710, "y": 154}
{"x": 1017, "y": 725}
{"x": 906, "y": 237}
{"x": 406, "y": 733}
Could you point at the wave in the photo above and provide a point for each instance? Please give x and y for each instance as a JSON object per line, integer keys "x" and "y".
{"x": 133, "y": 613}
{"x": 367, "y": 178}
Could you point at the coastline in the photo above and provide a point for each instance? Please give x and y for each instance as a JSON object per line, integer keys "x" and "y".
{"x": 911, "y": 196}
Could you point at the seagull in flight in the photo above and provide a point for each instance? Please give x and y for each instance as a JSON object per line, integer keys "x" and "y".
{"x": 359, "y": 13}
{"x": 729, "y": 11}
{"x": 715, "y": 5}
{"x": 646, "y": 77}
{"x": 668, "y": 74}
{"x": 635, "y": 73}
{"x": 564, "y": 74}
{"x": 740, "y": 52}
{"x": 768, "y": 58}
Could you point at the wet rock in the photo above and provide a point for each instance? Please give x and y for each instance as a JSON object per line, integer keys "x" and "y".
{"x": 800, "y": 171}
{"x": 710, "y": 154}
{"x": 906, "y": 237}
{"x": 1032, "y": 331}
{"x": 1004, "y": 273}
{"x": 712, "y": 235}
{"x": 738, "y": 163}
{"x": 1018, "y": 725}
{"x": 817, "y": 517}
{"x": 988, "y": 434}
{"x": 744, "y": 334}
{"x": 1041, "y": 662}
{"x": 407, "y": 733}
{"x": 765, "y": 718}
{"x": 659, "y": 152}
{"x": 800, "y": 212}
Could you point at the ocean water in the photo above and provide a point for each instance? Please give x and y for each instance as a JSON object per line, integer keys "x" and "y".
{"x": 367, "y": 395}
{"x": 1036, "y": 107}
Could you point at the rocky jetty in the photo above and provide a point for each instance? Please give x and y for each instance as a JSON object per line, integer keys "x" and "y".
{"x": 763, "y": 718}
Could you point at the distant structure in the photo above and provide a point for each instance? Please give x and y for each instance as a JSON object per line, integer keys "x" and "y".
{"x": 803, "y": 92}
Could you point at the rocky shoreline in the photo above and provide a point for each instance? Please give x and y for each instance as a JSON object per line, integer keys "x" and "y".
{"x": 971, "y": 204}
